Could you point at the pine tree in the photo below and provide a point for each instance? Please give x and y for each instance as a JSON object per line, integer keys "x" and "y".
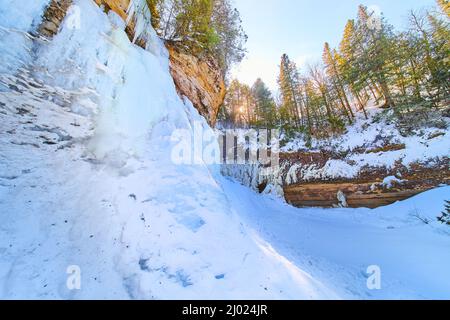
{"x": 239, "y": 109}
{"x": 288, "y": 81}
{"x": 374, "y": 56}
{"x": 433, "y": 49}
{"x": 330, "y": 60}
{"x": 322, "y": 87}
{"x": 210, "y": 28}
{"x": 265, "y": 105}
{"x": 445, "y": 217}
{"x": 348, "y": 63}
{"x": 227, "y": 23}
{"x": 440, "y": 37}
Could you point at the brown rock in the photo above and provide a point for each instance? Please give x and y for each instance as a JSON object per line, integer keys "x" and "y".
{"x": 53, "y": 16}
{"x": 200, "y": 80}
{"x": 367, "y": 189}
{"x": 118, "y": 6}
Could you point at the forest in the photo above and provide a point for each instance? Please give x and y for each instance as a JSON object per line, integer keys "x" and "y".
{"x": 209, "y": 28}
{"x": 405, "y": 73}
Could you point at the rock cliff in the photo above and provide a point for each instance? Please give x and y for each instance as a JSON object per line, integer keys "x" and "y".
{"x": 200, "y": 80}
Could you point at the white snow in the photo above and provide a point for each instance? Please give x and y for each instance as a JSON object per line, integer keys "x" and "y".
{"x": 390, "y": 181}
{"x": 87, "y": 179}
{"x": 22, "y": 15}
{"x": 367, "y": 135}
{"x": 17, "y": 18}
{"x": 338, "y": 245}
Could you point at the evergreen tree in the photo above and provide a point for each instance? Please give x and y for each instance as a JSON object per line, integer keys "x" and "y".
{"x": 239, "y": 106}
{"x": 331, "y": 64}
{"x": 373, "y": 59}
{"x": 203, "y": 27}
{"x": 265, "y": 105}
{"x": 227, "y": 23}
{"x": 348, "y": 64}
{"x": 445, "y": 217}
{"x": 288, "y": 81}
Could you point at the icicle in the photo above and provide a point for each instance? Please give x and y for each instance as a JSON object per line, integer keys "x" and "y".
{"x": 139, "y": 12}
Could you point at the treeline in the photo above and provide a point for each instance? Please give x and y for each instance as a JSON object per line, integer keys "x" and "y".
{"x": 202, "y": 27}
{"x": 407, "y": 72}
{"x": 247, "y": 106}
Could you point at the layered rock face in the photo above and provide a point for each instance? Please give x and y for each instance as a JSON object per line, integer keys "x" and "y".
{"x": 370, "y": 189}
{"x": 200, "y": 80}
{"x": 118, "y": 6}
{"x": 304, "y": 181}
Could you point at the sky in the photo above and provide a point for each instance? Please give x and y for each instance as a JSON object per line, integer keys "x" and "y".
{"x": 300, "y": 28}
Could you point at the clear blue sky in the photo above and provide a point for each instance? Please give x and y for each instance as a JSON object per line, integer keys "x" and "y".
{"x": 300, "y": 28}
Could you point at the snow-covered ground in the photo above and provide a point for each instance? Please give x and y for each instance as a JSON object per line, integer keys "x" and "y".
{"x": 338, "y": 246}
{"x": 87, "y": 180}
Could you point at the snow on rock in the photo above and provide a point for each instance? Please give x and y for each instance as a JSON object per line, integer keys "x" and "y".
{"x": 332, "y": 169}
{"x": 390, "y": 181}
{"x": 367, "y": 146}
{"x": 342, "y": 199}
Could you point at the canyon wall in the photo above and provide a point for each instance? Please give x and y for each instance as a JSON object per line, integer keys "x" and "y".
{"x": 200, "y": 80}
{"x": 302, "y": 179}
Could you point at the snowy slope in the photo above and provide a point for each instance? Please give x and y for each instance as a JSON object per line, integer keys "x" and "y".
{"x": 338, "y": 245}
{"x": 86, "y": 179}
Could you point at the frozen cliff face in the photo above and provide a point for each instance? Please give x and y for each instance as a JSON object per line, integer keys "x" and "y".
{"x": 18, "y": 18}
{"x": 200, "y": 80}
